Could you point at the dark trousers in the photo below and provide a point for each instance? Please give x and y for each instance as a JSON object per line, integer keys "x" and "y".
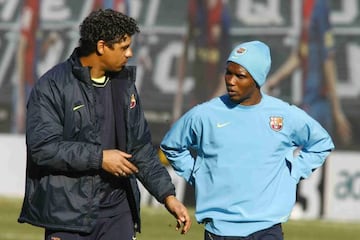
{"x": 118, "y": 227}
{"x": 273, "y": 233}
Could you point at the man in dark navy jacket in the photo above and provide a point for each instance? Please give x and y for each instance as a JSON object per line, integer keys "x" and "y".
{"x": 88, "y": 141}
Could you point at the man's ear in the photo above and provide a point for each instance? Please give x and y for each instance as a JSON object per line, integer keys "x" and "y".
{"x": 100, "y": 47}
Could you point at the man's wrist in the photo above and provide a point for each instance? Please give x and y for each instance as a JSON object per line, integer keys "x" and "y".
{"x": 169, "y": 198}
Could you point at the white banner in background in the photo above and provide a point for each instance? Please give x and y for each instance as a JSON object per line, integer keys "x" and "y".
{"x": 13, "y": 164}
{"x": 343, "y": 186}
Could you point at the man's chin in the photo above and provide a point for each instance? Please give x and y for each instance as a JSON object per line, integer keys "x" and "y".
{"x": 119, "y": 68}
{"x": 234, "y": 98}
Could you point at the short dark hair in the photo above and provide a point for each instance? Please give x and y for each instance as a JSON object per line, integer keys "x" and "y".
{"x": 108, "y": 25}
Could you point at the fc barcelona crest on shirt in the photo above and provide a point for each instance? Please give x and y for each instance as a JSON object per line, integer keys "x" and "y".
{"x": 132, "y": 101}
{"x": 276, "y": 123}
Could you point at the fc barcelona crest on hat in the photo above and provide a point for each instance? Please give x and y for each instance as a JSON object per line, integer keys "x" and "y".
{"x": 132, "y": 101}
{"x": 276, "y": 123}
{"x": 241, "y": 50}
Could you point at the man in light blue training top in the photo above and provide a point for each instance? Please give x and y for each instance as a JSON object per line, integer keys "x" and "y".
{"x": 237, "y": 150}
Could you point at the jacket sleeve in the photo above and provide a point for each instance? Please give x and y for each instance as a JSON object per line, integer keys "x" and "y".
{"x": 177, "y": 143}
{"x": 152, "y": 174}
{"x": 314, "y": 145}
{"x": 44, "y": 133}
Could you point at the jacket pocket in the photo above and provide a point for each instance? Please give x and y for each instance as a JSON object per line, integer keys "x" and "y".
{"x": 61, "y": 200}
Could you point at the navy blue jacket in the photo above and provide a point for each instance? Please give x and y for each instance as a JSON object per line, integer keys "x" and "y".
{"x": 64, "y": 153}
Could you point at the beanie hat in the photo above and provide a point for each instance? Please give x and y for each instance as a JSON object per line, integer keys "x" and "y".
{"x": 255, "y": 57}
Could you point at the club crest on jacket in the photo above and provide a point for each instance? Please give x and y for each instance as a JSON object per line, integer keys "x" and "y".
{"x": 132, "y": 101}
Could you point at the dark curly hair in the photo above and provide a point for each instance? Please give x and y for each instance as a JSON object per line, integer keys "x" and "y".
{"x": 108, "y": 25}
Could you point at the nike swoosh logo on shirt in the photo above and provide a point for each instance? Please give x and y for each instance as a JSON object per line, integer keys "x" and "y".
{"x": 221, "y": 125}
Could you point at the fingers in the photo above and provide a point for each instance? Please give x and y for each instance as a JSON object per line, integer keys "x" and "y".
{"x": 129, "y": 168}
{"x": 121, "y": 174}
{"x": 183, "y": 223}
{"x": 178, "y": 225}
{"x": 124, "y": 154}
{"x": 116, "y": 162}
{"x": 126, "y": 170}
{"x": 176, "y": 208}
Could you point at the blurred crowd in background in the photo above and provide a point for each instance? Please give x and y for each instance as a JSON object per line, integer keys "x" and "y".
{"x": 181, "y": 51}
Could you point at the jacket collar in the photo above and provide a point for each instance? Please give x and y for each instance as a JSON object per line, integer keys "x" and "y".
{"x": 83, "y": 73}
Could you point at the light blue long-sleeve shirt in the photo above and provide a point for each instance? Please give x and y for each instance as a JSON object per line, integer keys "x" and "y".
{"x": 245, "y": 172}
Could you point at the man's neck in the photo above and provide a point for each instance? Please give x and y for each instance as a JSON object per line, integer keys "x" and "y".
{"x": 93, "y": 62}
